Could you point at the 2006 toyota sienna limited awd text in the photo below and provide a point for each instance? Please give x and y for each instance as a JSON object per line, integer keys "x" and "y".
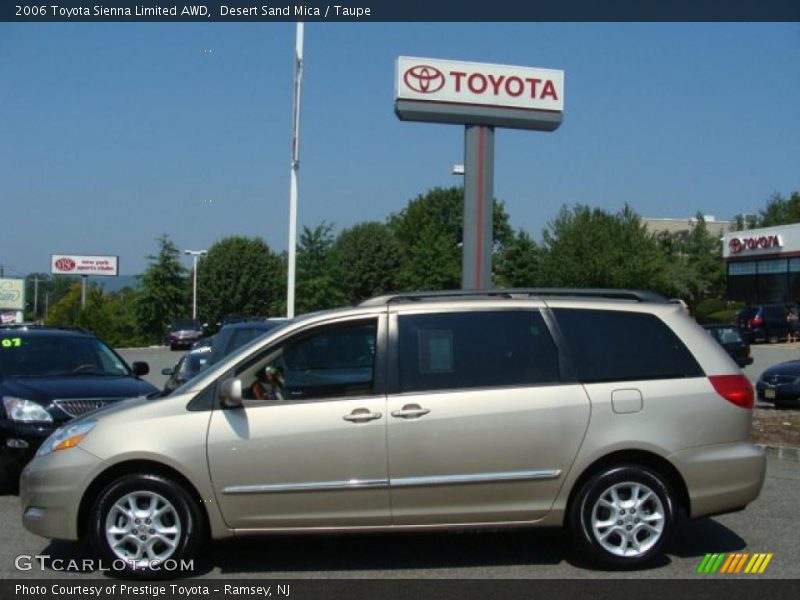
{"x": 606, "y": 411}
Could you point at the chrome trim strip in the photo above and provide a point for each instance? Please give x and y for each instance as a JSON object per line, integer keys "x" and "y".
{"x": 354, "y": 484}
{"x": 314, "y": 486}
{"x": 477, "y": 478}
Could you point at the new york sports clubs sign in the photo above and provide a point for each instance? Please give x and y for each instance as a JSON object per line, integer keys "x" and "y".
{"x": 454, "y": 92}
{"x": 74, "y": 264}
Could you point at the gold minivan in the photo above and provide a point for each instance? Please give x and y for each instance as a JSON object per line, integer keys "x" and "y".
{"x": 608, "y": 412}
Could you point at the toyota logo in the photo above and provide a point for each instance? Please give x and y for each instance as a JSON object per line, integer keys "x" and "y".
{"x": 735, "y": 245}
{"x": 424, "y": 79}
{"x": 65, "y": 264}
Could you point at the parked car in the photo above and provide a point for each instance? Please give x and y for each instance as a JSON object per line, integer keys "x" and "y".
{"x": 189, "y": 365}
{"x": 49, "y": 376}
{"x": 764, "y": 322}
{"x": 731, "y": 339}
{"x": 183, "y": 333}
{"x": 236, "y": 334}
{"x": 780, "y": 384}
{"x": 604, "y": 410}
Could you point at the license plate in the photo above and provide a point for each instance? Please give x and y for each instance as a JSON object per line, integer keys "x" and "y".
{"x": 769, "y": 393}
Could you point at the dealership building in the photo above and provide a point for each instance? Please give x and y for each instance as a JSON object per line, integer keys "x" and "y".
{"x": 763, "y": 265}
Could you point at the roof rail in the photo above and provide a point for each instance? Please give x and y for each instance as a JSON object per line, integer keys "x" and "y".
{"x": 510, "y": 293}
{"x": 38, "y": 325}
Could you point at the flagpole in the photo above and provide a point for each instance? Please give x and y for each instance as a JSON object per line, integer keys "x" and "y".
{"x": 295, "y": 166}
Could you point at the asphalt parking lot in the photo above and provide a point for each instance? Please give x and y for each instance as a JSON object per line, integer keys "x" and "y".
{"x": 768, "y": 525}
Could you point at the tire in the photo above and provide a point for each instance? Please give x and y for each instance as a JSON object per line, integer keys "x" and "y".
{"x": 610, "y": 493}
{"x": 176, "y": 532}
{"x": 173, "y": 347}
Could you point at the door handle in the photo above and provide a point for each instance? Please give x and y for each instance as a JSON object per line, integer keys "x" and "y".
{"x": 410, "y": 411}
{"x": 362, "y": 415}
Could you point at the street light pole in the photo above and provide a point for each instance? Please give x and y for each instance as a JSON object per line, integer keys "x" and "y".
{"x": 195, "y": 254}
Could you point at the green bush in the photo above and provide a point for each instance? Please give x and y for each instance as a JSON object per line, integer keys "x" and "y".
{"x": 708, "y": 307}
{"x": 722, "y": 317}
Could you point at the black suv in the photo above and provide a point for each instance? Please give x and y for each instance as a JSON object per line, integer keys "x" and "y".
{"x": 764, "y": 322}
{"x": 49, "y": 376}
{"x": 234, "y": 335}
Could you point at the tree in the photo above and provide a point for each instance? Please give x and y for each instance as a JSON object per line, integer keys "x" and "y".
{"x": 587, "y": 247}
{"x": 780, "y": 211}
{"x": 108, "y": 316}
{"x": 240, "y": 276}
{"x": 366, "y": 259}
{"x": 317, "y": 287}
{"x": 163, "y": 295}
{"x": 519, "y": 264}
{"x": 430, "y": 233}
{"x": 702, "y": 253}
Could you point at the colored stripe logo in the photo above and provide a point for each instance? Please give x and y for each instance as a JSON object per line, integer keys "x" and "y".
{"x": 736, "y": 562}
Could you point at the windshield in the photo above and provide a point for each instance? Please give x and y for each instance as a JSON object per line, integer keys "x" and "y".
{"x": 57, "y": 356}
{"x": 727, "y": 335}
{"x": 185, "y": 324}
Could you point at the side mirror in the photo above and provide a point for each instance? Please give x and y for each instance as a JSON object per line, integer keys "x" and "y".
{"x": 140, "y": 368}
{"x": 231, "y": 393}
{"x": 168, "y": 372}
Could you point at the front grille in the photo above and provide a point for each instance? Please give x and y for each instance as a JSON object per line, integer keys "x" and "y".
{"x": 80, "y": 406}
{"x": 780, "y": 379}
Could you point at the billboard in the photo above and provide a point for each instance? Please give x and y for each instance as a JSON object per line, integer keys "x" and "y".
{"x": 74, "y": 264}
{"x": 12, "y": 294}
{"x": 448, "y": 91}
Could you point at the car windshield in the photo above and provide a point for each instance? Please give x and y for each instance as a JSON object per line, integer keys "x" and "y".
{"x": 184, "y": 324}
{"x": 727, "y": 335}
{"x": 57, "y": 356}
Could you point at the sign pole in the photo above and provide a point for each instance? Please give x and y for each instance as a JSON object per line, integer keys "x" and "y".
{"x": 476, "y": 259}
{"x": 84, "y": 278}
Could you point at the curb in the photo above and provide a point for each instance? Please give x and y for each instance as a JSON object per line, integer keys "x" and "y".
{"x": 782, "y": 452}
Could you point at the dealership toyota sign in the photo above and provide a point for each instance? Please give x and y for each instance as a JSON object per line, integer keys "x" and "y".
{"x": 479, "y": 96}
{"x": 466, "y": 92}
{"x": 478, "y": 83}
{"x": 74, "y": 264}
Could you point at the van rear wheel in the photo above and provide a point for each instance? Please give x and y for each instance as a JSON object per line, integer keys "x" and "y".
{"x": 146, "y": 525}
{"x": 623, "y": 516}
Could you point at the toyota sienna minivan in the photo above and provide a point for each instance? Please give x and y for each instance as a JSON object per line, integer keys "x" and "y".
{"x": 608, "y": 412}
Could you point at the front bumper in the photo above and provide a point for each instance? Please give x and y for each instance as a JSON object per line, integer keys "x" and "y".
{"x": 721, "y": 478}
{"x": 19, "y": 443}
{"x": 51, "y": 489}
{"x": 783, "y": 394}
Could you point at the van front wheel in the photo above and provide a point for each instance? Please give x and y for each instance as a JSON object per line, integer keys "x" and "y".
{"x": 146, "y": 525}
{"x": 623, "y": 516}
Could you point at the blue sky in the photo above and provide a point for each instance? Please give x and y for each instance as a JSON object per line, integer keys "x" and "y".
{"x": 111, "y": 134}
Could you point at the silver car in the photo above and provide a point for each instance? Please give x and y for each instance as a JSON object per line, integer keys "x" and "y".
{"x": 606, "y": 411}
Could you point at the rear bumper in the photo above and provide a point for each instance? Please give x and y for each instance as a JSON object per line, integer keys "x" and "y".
{"x": 721, "y": 478}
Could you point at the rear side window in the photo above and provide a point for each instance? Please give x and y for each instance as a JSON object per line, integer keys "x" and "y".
{"x": 475, "y": 350}
{"x": 624, "y": 346}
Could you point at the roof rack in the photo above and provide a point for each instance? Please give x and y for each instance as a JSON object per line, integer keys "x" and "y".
{"x": 511, "y": 293}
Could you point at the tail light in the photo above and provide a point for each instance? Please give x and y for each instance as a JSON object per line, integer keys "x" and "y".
{"x": 755, "y": 321}
{"x": 736, "y": 389}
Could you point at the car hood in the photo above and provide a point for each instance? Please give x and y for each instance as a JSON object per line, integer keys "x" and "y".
{"x": 46, "y": 389}
{"x": 788, "y": 368}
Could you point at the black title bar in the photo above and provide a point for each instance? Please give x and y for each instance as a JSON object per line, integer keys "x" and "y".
{"x": 402, "y": 10}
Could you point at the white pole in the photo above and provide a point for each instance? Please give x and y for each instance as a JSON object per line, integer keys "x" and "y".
{"x": 298, "y": 78}
{"x": 194, "y": 289}
{"x": 195, "y": 254}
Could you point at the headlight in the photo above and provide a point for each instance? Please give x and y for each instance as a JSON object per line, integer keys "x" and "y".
{"x": 65, "y": 437}
{"x": 25, "y": 411}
